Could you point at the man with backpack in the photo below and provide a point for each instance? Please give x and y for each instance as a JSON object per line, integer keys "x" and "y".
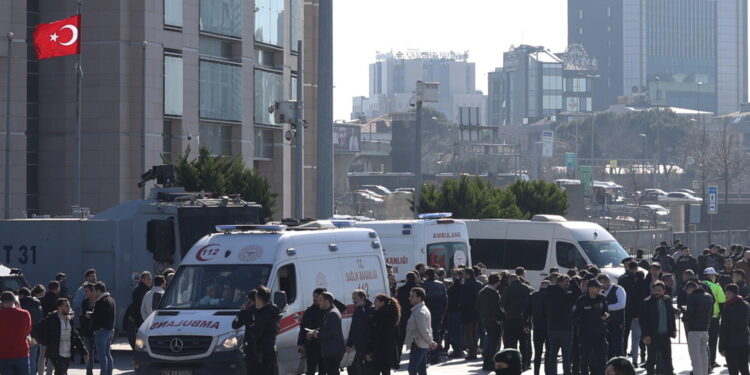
{"x": 153, "y": 297}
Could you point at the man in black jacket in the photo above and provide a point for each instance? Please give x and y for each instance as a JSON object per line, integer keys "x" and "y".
{"x": 61, "y": 339}
{"x": 515, "y": 303}
{"x": 246, "y": 318}
{"x": 658, "y": 326}
{"x": 103, "y": 325}
{"x": 264, "y": 332}
{"x": 87, "y": 335}
{"x": 697, "y": 318}
{"x": 469, "y": 313}
{"x": 311, "y": 319}
{"x": 539, "y": 324}
{"x": 330, "y": 335}
{"x": 455, "y": 332}
{"x": 683, "y": 263}
{"x": 49, "y": 301}
{"x": 359, "y": 333}
{"x": 590, "y": 313}
{"x": 490, "y": 316}
{"x": 558, "y": 307}
{"x": 403, "y": 300}
{"x": 34, "y": 307}
{"x": 436, "y": 302}
{"x": 734, "y": 332}
{"x": 133, "y": 319}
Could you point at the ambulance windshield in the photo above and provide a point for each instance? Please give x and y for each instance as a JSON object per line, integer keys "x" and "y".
{"x": 213, "y": 287}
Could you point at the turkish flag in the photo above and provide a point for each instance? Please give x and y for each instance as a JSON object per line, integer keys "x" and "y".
{"x": 59, "y": 38}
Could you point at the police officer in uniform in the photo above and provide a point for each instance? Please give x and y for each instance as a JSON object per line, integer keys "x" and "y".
{"x": 590, "y": 313}
{"x": 616, "y": 301}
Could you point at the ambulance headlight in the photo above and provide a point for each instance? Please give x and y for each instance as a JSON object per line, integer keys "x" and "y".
{"x": 230, "y": 341}
{"x": 140, "y": 342}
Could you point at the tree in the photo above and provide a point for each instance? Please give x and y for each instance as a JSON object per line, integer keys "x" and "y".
{"x": 224, "y": 175}
{"x": 727, "y": 157}
{"x": 469, "y": 198}
{"x": 539, "y": 197}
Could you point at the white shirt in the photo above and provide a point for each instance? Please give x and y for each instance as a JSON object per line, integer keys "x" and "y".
{"x": 65, "y": 330}
{"x": 147, "y": 303}
{"x": 621, "y": 298}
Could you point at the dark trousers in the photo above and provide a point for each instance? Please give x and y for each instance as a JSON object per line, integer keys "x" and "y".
{"x": 540, "y": 340}
{"x": 313, "y": 358}
{"x": 713, "y": 340}
{"x": 515, "y": 336}
{"x": 615, "y": 333}
{"x": 470, "y": 338}
{"x": 331, "y": 365}
{"x": 492, "y": 330}
{"x": 61, "y": 365}
{"x": 626, "y": 331}
{"x": 660, "y": 351}
{"x": 593, "y": 355}
{"x": 455, "y": 331}
{"x": 737, "y": 360}
{"x": 402, "y": 334}
{"x": 358, "y": 365}
{"x": 575, "y": 354}
{"x": 557, "y": 340}
{"x": 437, "y": 336}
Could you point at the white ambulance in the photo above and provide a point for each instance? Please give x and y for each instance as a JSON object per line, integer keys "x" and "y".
{"x": 191, "y": 334}
{"x": 543, "y": 242}
{"x": 433, "y": 239}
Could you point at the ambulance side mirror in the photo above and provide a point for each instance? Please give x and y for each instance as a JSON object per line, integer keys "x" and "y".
{"x": 280, "y": 300}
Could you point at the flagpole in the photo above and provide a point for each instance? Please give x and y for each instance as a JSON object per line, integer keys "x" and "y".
{"x": 77, "y": 147}
{"x": 7, "y": 126}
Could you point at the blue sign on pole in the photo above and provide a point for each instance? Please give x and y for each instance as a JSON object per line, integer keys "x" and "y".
{"x": 713, "y": 199}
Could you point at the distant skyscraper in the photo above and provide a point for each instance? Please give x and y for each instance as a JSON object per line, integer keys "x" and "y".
{"x": 682, "y": 53}
{"x": 393, "y": 79}
{"x": 535, "y": 83}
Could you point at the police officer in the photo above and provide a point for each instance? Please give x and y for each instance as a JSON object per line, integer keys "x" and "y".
{"x": 264, "y": 332}
{"x": 246, "y": 318}
{"x": 590, "y": 313}
{"x": 616, "y": 301}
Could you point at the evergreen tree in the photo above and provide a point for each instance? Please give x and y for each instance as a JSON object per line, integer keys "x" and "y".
{"x": 539, "y": 197}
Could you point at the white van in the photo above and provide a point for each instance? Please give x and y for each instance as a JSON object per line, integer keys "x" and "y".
{"x": 540, "y": 243}
{"x": 191, "y": 334}
{"x": 433, "y": 239}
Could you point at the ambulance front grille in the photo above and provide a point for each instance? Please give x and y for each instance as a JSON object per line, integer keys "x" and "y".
{"x": 179, "y": 346}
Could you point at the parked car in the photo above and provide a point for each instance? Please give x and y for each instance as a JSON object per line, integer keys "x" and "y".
{"x": 679, "y": 197}
{"x": 691, "y": 192}
{"x": 652, "y": 195}
{"x": 379, "y": 189}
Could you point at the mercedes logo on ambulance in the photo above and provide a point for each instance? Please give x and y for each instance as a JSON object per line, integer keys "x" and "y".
{"x": 176, "y": 345}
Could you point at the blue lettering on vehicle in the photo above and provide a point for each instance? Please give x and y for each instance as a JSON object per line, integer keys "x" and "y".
{"x": 20, "y": 255}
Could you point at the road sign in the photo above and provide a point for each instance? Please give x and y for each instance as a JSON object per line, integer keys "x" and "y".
{"x": 713, "y": 199}
{"x": 548, "y": 137}
{"x": 587, "y": 180}
{"x": 570, "y": 161}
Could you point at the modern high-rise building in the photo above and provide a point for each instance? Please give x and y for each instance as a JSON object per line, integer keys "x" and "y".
{"x": 680, "y": 53}
{"x": 535, "y": 83}
{"x": 178, "y": 74}
{"x": 393, "y": 79}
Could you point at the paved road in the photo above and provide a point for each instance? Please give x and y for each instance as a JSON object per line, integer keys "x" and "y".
{"x": 681, "y": 361}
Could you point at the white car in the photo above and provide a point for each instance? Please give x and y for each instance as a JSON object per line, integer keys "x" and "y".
{"x": 679, "y": 197}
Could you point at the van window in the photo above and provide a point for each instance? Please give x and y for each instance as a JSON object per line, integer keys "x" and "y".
{"x": 568, "y": 256}
{"x": 443, "y": 254}
{"x": 288, "y": 282}
{"x": 604, "y": 253}
{"x": 509, "y": 254}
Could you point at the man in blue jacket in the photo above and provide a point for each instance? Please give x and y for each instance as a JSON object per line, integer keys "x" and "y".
{"x": 436, "y": 302}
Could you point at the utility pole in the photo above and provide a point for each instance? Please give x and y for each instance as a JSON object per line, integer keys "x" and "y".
{"x": 143, "y": 115}
{"x": 7, "y": 125}
{"x": 299, "y": 125}
{"x": 324, "y": 126}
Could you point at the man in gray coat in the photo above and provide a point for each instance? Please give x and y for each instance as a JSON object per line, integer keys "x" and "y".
{"x": 490, "y": 316}
{"x": 330, "y": 335}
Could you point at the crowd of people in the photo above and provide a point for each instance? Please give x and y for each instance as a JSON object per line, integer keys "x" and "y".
{"x": 580, "y": 319}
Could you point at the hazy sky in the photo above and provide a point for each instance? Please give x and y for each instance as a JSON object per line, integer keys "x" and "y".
{"x": 486, "y": 28}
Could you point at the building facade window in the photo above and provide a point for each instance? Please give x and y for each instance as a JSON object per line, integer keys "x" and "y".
{"x": 294, "y": 27}
{"x": 221, "y": 91}
{"x": 268, "y": 89}
{"x": 219, "y": 48}
{"x": 173, "y": 13}
{"x": 173, "y": 85}
{"x": 222, "y": 17}
{"x": 217, "y": 138}
{"x": 269, "y": 21}
{"x": 166, "y": 138}
{"x": 263, "y": 144}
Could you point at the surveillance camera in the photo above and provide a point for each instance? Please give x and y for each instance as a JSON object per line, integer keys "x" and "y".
{"x": 272, "y": 108}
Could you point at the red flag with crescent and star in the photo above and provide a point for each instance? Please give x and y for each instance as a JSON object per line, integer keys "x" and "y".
{"x": 59, "y": 38}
